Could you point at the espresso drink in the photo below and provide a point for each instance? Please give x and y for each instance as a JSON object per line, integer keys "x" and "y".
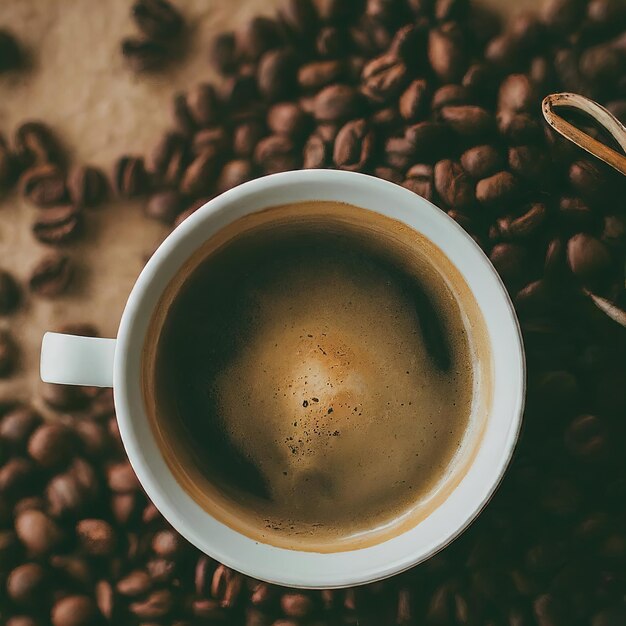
{"x": 317, "y": 376}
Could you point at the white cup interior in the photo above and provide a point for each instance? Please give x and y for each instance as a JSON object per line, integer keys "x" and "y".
{"x": 337, "y": 569}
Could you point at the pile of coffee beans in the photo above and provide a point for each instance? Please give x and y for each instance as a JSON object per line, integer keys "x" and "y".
{"x": 433, "y": 95}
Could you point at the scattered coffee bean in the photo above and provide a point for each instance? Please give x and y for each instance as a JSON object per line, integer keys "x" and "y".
{"x": 144, "y": 55}
{"x": 74, "y": 611}
{"x": 130, "y": 177}
{"x": 35, "y": 144}
{"x": 9, "y": 293}
{"x": 10, "y": 54}
{"x": 44, "y": 184}
{"x": 96, "y": 537}
{"x": 87, "y": 186}
{"x": 39, "y": 534}
{"x": 157, "y": 19}
{"x": 164, "y": 206}
{"x": 51, "y": 276}
{"x": 8, "y": 354}
{"x": 588, "y": 258}
{"x": 59, "y": 225}
{"x": 52, "y": 445}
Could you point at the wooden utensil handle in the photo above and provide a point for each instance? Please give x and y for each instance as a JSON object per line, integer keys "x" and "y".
{"x": 582, "y": 139}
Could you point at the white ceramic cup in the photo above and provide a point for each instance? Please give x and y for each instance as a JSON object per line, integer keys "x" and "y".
{"x": 117, "y": 363}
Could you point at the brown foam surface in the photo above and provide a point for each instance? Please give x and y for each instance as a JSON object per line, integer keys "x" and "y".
{"x": 305, "y": 373}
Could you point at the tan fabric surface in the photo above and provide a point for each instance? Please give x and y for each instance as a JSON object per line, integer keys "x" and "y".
{"x": 78, "y": 84}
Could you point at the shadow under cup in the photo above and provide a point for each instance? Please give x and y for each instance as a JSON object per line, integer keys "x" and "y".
{"x": 253, "y": 517}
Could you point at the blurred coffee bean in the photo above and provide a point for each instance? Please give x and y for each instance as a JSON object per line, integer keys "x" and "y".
{"x": 586, "y": 437}
{"x": 588, "y": 258}
{"x": 39, "y": 534}
{"x": 481, "y": 161}
{"x": 130, "y": 177}
{"x": 74, "y": 610}
{"x": 36, "y": 144}
{"x": 58, "y": 226}
{"x": 164, "y": 206}
{"x": 144, "y": 55}
{"x": 10, "y": 54}
{"x": 122, "y": 478}
{"x": 52, "y": 444}
{"x": 446, "y": 52}
{"x": 96, "y": 537}
{"x": 498, "y": 191}
{"x": 337, "y": 103}
{"x": 17, "y": 425}
{"x": 517, "y": 94}
{"x": 156, "y": 606}
{"x": 17, "y": 477}
{"x": 157, "y": 19}
{"x": 43, "y": 184}
{"x": 8, "y": 354}
{"x": 87, "y": 186}
{"x": 9, "y": 293}
{"x": 28, "y": 585}
{"x": 276, "y": 74}
{"x": 453, "y": 185}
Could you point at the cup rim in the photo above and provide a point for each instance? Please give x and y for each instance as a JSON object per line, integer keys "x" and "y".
{"x": 263, "y": 561}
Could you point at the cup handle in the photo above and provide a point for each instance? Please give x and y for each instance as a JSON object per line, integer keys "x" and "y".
{"x": 72, "y": 360}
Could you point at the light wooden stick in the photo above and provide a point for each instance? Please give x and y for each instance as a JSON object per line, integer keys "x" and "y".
{"x": 582, "y": 139}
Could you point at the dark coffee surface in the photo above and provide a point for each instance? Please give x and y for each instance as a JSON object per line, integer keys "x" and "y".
{"x": 316, "y": 377}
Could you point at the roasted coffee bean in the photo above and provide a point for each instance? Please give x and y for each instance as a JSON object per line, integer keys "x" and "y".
{"x": 52, "y": 444}
{"x": 65, "y": 495}
{"x": 299, "y": 17}
{"x": 96, "y": 537}
{"x": 470, "y": 122}
{"x": 480, "y": 82}
{"x": 337, "y": 103}
{"x": 210, "y": 139}
{"x": 234, "y": 173}
{"x": 353, "y": 146}
{"x": 446, "y": 52}
{"x": 271, "y": 152}
{"x": 370, "y": 36}
{"x": 58, "y": 226}
{"x": 238, "y": 92}
{"x": 246, "y": 136}
{"x": 157, "y": 19}
{"x": 575, "y": 215}
{"x": 330, "y": 42}
{"x": 181, "y": 115}
{"x": 527, "y": 224}
{"x": 517, "y": 94}
{"x": 144, "y": 55}
{"x": 17, "y": 477}
{"x": 511, "y": 261}
{"x": 315, "y": 152}
{"x": 276, "y": 74}
{"x": 453, "y": 185}
{"x": 17, "y": 425}
{"x": 10, "y": 54}
{"x": 129, "y": 176}
{"x": 226, "y": 585}
{"x": 287, "y": 118}
{"x": 224, "y": 53}
{"x": 44, "y": 184}
{"x": 122, "y": 478}
{"x": 200, "y": 175}
{"x": 588, "y": 258}
{"x": 164, "y": 206}
{"x": 203, "y": 104}
{"x": 420, "y": 181}
{"x": 313, "y": 76}
{"x": 257, "y": 36}
{"x": 135, "y": 584}
{"x": 587, "y": 179}
{"x": 389, "y": 173}
{"x": 63, "y": 397}
{"x": 428, "y": 140}
{"x": 156, "y": 606}
{"x": 168, "y": 544}
{"x": 27, "y": 584}
{"x": 8, "y": 164}
{"x": 414, "y": 102}
{"x": 499, "y": 190}
{"x": 8, "y": 354}
{"x": 87, "y": 186}
{"x": 35, "y": 144}
{"x": 169, "y": 158}
{"x": 39, "y": 534}
{"x": 74, "y": 610}
{"x": 384, "y": 78}
{"x": 587, "y": 437}
{"x": 449, "y": 95}
{"x": 296, "y": 605}
{"x": 519, "y": 128}
{"x": 481, "y": 161}
{"x": 529, "y": 162}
